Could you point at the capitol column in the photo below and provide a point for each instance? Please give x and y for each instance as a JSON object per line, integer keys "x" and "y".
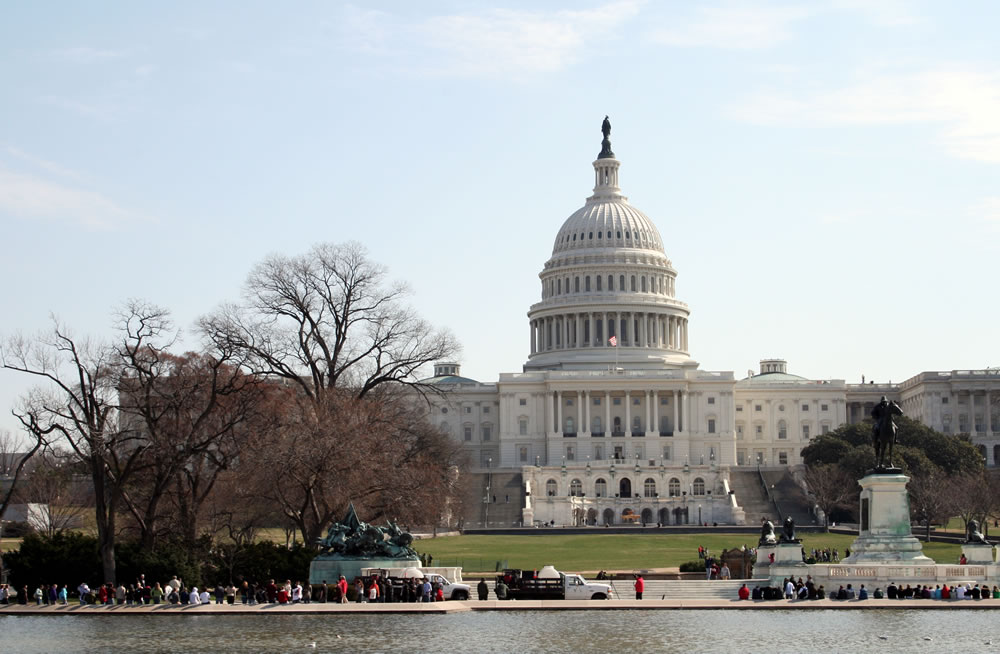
{"x": 649, "y": 412}
{"x": 532, "y": 325}
{"x": 579, "y": 413}
{"x": 559, "y": 422}
{"x": 590, "y": 320}
{"x": 628, "y": 414}
{"x": 607, "y": 413}
{"x": 629, "y": 332}
{"x": 604, "y": 330}
{"x": 989, "y": 414}
{"x": 579, "y": 329}
{"x": 656, "y": 414}
{"x": 552, "y": 413}
{"x": 676, "y": 404}
{"x": 684, "y": 410}
{"x": 586, "y": 413}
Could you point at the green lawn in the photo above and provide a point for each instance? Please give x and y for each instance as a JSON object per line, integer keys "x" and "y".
{"x": 613, "y": 551}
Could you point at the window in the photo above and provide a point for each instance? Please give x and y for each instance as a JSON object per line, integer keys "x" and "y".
{"x": 944, "y": 400}
{"x": 559, "y": 281}
{"x": 611, "y": 283}
{"x": 570, "y": 453}
{"x": 598, "y": 452}
{"x": 643, "y": 283}
{"x": 711, "y": 400}
{"x": 597, "y": 401}
{"x": 782, "y": 430}
{"x": 586, "y": 283}
{"x": 468, "y": 409}
{"x": 635, "y": 401}
{"x": 632, "y": 280}
{"x": 756, "y": 408}
{"x": 805, "y": 432}
{"x": 523, "y": 402}
{"x": 711, "y": 425}
{"x": 783, "y": 458}
{"x": 444, "y": 409}
{"x": 739, "y": 409}
{"x": 467, "y": 430}
{"x": 664, "y": 400}
{"x": 598, "y": 282}
{"x": 569, "y": 401}
{"x": 616, "y": 401}
{"x": 698, "y": 487}
{"x": 486, "y": 409}
{"x": 576, "y": 284}
{"x": 636, "y": 425}
{"x": 522, "y": 426}
{"x": 759, "y": 431}
{"x": 781, "y": 407}
{"x": 595, "y": 425}
{"x": 824, "y": 429}
{"x": 805, "y": 407}
{"x": 824, "y": 407}
{"x": 674, "y": 487}
{"x": 601, "y": 488}
{"x": 739, "y": 432}
{"x": 551, "y": 487}
{"x": 522, "y": 454}
{"x": 618, "y": 425}
{"x": 666, "y": 452}
{"x": 621, "y": 282}
{"x": 649, "y": 487}
{"x": 486, "y": 432}
{"x": 570, "y": 425}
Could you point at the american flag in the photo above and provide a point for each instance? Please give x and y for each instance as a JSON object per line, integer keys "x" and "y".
{"x": 614, "y": 341}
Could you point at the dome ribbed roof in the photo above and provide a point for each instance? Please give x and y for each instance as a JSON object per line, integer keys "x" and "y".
{"x": 608, "y": 224}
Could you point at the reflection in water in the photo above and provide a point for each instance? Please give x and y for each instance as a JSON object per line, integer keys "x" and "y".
{"x": 576, "y": 632}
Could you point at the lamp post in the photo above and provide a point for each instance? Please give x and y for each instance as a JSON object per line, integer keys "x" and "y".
{"x": 489, "y": 484}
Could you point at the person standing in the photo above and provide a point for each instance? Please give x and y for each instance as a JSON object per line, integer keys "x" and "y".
{"x": 342, "y": 589}
{"x": 724, "y": 572}
{"x": 640, "y": 584}
{"x": 483, "y": 589}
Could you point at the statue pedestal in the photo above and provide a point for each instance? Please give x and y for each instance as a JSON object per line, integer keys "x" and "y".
{"x": 977, "y": 553}
{"x": 885, "y": 535}
{"x": 330, "y": 568}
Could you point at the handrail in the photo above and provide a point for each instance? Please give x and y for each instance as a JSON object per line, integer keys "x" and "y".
{"x": 770, "y": 497}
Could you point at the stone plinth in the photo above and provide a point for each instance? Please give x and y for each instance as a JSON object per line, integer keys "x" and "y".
{"x": 885, "y": 535}
{"x": 981, "y": 553}
{"x": 331, "y": 568}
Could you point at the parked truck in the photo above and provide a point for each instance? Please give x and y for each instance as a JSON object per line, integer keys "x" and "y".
{"x": 548, "y": 584}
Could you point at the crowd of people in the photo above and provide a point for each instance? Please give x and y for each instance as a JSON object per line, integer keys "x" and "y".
{"x": 797, "y": 589}
{"x": 373, "y": 588}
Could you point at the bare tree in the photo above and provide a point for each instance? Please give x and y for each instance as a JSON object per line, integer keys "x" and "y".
{"x": 929, "y": 502}
{"x": 831, "y": 488}
{"x": 79, "y": 406}
{"x": 54, "y": 481}
{"x": 330, "y": 328}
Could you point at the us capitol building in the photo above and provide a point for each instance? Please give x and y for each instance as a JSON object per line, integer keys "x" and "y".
{"x": 612, "y": 421}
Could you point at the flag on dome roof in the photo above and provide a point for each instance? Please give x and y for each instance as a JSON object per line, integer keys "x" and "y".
{"x": 614, "y": 341}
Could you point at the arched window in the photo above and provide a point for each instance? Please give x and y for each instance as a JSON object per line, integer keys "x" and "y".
{"x": 609, "y": 233}
{"x": 625, "y": 487}
{"x": 633, "y": 283}
{"x": 698, "y": 487}
{"x": 674, "y": 487}
{"x": 590, "y": 236}
{"x": 558, "y": 287}
{"x": 575, "y": 488}
{"x": 621, "y": 282}
{"x": 551, "y": 487}
{"x": 618, "y": 425}
{"x": 599, "y": 235}
{"x": 570, "y": 425}
{"x": 649, "y": 487}
{"x": 576, "y": 284}
{"x": 643, "y": 284}
{"x": 598, "y": 282}
{"x": 601, "y": 488}
{"x": 611, "y": 283}
{"x": 586, "y": 284}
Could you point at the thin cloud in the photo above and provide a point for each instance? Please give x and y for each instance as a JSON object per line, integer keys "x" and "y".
{"x": 499, "y": 42}
{"x": 964, "y": 103}
{"x": 733, "y": 27}
{"x": 30, "y": 196}
{"x": 40, "y": 163}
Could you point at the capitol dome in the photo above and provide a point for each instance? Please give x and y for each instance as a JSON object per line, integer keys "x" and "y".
{"x": 608, "y": 289}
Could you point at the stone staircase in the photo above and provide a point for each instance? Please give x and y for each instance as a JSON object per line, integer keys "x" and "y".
{"x": 505, "y": 498}
{"x": 790, "y": 497}
{"x": 750, "y": 495}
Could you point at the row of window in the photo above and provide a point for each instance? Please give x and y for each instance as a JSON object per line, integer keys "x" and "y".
{"x": 640, "y": 236}
{"x": 624, "y": 488}
{"x": 782, "y": 431}
{"x": 781, "y": 407}
{"x": 468, "y": 409}
{"x": 659, "y": 284}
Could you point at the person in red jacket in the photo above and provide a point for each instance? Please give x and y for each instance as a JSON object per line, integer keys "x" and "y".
{"x": 744, "y": 592}
{"x": 342, "y": 588}
{"x": 639, "y": 586}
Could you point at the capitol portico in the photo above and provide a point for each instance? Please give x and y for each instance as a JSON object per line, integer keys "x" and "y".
{"x": 612, "y": 421}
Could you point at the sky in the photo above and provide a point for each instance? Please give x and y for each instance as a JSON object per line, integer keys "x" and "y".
{"x": 824, "y": 174}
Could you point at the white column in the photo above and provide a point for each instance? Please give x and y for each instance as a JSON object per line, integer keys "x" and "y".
{"x": 628, "y": 414}
{"x": 604, "y": 330}
{"x": 533, "y": 334}
{"x": 586, "y": 413}
{"x": 607, "y": 413}
{"x": 676, "y": 417}
{"x": 630, "y": 329}
{"x": 685, "y": 411}
{"x": 552, "y": 412}
{"x": 642, "y": 330}
{"x": 590, "y": 318}
{"x": 559, "y": 422}
{"x": 670, "y": 332}
{"x": 579, "y": 413}
{"x": 989, "y": 413}
{"x": 579, "y": 330}
{"x": 656, "y": 414}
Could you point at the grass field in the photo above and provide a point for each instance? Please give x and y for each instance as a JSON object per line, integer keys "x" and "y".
{"x": 613, "y": 551}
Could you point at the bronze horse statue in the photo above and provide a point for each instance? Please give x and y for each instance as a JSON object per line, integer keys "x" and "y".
{"x": 884, "y": 432}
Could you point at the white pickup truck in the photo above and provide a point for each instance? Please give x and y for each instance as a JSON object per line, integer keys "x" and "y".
{"x": 549, "y": 583}
{"x": 451, "y": 591}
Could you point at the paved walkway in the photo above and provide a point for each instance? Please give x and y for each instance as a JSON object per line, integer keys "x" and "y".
{"x": 494, "y": 605}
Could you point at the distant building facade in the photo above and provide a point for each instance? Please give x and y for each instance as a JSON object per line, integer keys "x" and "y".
{"x": 612, "y": 421}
